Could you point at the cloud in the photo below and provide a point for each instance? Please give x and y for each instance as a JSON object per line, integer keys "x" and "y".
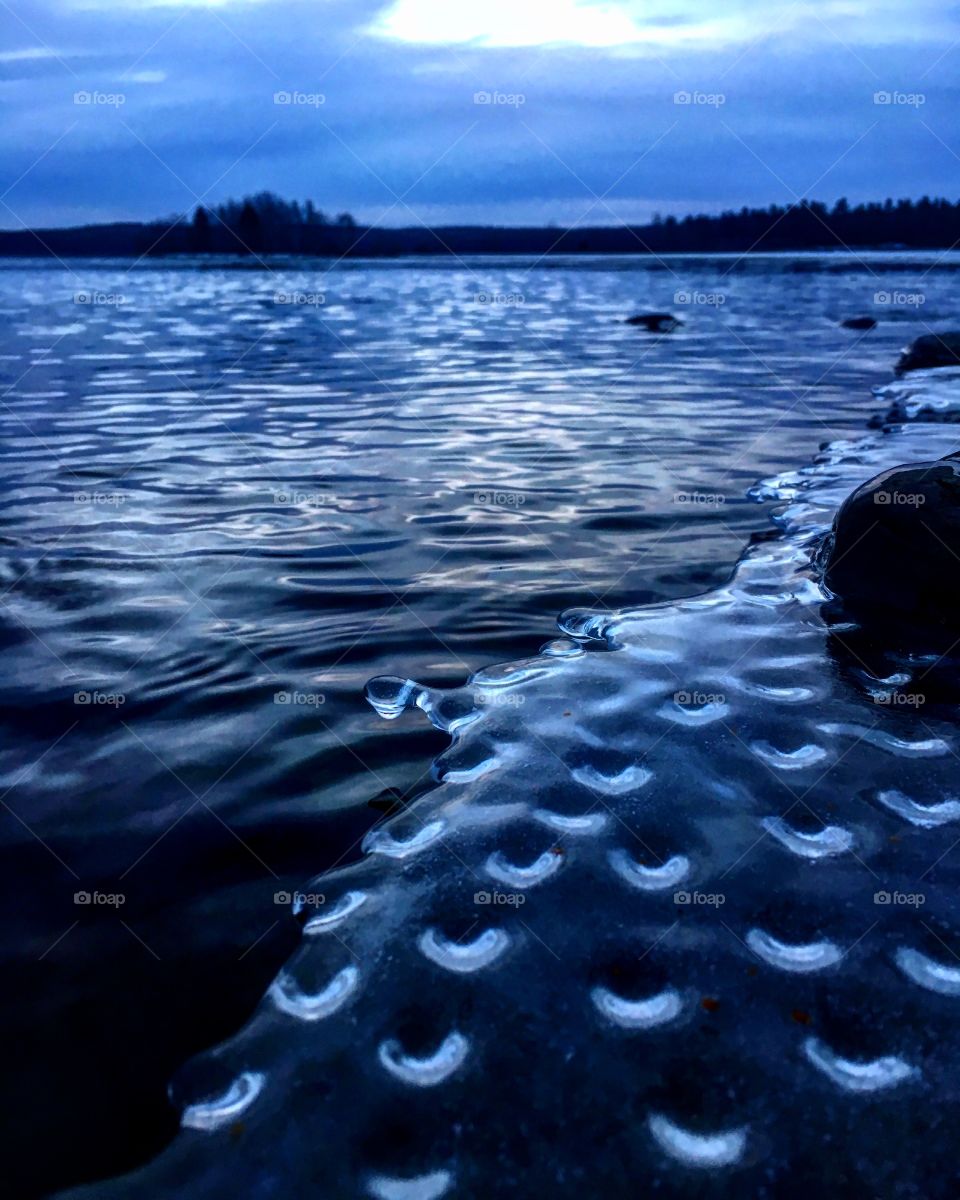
{"x": 394, "y": 131}
{"x": 27, "y": 54}
{"x": 145, "y": 76}
{"x": 667, "y": 25}
{"x": 508, "y": 23}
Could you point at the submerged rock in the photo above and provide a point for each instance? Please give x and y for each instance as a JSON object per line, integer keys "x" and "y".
{"x": 655, "y": 322}
{"x": 895, "y": 544}
{"x": 859, "y": 323}
{"x": 931, "y": 350}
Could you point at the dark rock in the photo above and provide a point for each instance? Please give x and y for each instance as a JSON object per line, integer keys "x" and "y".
{"x": 895, "y": 546}
{"x": 931, "y": 350}
{"x": 859, "y": 323}
{"x": 655, "y": 322}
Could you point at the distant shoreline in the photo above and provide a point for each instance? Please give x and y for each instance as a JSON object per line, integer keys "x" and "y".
{"x": 868, "y": 259}
{"x": 900, "y": 255}
{"x": 263, "y": 227}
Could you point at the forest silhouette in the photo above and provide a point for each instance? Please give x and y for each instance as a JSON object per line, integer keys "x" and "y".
{"x": 265, "y": 224}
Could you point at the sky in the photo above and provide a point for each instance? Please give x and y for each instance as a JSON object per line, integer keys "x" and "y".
{"x": 516, "y": 112}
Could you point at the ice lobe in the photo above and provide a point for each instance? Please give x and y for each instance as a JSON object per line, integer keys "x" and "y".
{"x": 510, "y": 994}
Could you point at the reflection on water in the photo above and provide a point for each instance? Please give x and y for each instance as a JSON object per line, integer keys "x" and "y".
{"x": 232, "y": 497}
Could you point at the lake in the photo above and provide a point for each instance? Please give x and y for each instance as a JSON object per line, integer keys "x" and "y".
{"x": 232, "y": 496}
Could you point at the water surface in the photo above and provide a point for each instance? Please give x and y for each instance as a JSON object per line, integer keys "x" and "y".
{"x": 230, "y": 497}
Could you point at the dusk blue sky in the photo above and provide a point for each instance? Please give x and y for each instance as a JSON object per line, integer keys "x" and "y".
{"x": 384, "y": 123}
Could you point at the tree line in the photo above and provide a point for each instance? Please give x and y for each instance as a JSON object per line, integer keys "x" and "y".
{"x": 266, "y": 224}
{"x": 260, "y": 224}
{"x": 813, "y": 225}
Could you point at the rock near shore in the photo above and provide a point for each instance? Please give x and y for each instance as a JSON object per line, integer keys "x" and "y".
{"x": 931, "y": 350}
{"x": 895, "y": 545}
